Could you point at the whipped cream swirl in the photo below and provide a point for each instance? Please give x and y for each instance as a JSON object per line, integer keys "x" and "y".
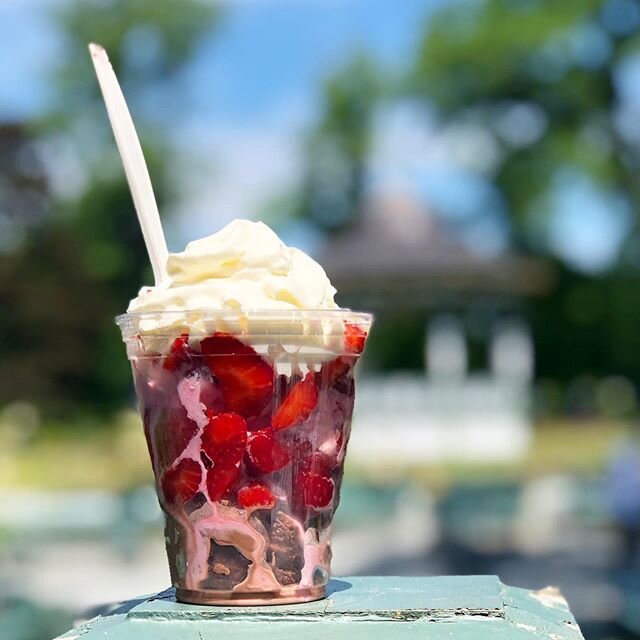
{"x": 244, "y": 266}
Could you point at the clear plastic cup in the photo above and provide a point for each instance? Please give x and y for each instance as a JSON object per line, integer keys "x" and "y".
{"x": 247, "y": 420}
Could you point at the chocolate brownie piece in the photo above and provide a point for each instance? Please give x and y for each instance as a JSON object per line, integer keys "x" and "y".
{"x": 287, "y": 553}
{"x": 227, "y": 567}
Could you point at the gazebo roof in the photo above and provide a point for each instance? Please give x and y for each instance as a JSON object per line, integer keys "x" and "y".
{"x": 399, "y": 250}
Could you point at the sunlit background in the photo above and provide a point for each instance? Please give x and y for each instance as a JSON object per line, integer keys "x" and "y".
{"x": 468, "y": 170}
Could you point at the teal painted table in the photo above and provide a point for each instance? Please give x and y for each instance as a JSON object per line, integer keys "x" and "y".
{"x": 455, "y": 608}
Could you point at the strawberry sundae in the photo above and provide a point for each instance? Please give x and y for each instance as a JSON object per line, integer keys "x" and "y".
{"x": 243, "y": 367}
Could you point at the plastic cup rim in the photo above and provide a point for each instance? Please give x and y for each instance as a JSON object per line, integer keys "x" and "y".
{"x": 129, "y": 322}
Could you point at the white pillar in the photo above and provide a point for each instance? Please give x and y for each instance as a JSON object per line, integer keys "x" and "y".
{"x": 512, "y": 356}
{"x": 446, "y": 349}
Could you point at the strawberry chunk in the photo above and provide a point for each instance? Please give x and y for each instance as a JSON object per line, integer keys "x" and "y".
{"x": 220, "y": 480}
{"x": 354, "y": 338}
{"x": 264, "y": 453}
{"x": 256, "y": 496}
{"x": 317, "y": 490}
{"x": 181, "y": 483}
{"x": 298, "y": 405}
{"x": 245, "y": 378}
{"x": 179, "y": 353}
{"x": 224, "y": 438}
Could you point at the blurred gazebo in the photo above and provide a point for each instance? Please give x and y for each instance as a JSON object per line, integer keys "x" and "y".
{"x": 398, "y": 253}
{"x": 400, "y": 261}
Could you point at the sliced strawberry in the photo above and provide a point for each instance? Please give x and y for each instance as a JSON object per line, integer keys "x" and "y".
{"x": 224, "y": 438}
{"x": 179, "y": 353}
{"x": 264, "y": 453}
{"x": 317, "y": 490}
{"x": 245, "y": 378}
{"x": 354, "y": 338}
{"x": 220, "y": 480}
{"x": 181, "y": 483}
{"x": 171, "y": 434}
{"x": 256, "y": 496}
{"x": 298, "y": 405}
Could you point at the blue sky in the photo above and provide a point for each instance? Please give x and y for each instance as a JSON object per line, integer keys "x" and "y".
{"x": 252, "y": 91}
{"x": 264, "y": 51}
{"x": 27, "y": 41}
{"x": 269, "y": 50}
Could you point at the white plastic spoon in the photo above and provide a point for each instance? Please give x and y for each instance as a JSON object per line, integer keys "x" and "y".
{"x": 135, "y": 166}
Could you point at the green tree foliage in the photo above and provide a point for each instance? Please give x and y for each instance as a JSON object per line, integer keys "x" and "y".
{"x": 553, "y": 68}
{"x": 62, "y": 285}
{"x": 540, "y": 77}
{"x": 147, "y": 40}
{"x": 541, "y": 80}
{"x": 338, "y": 148}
